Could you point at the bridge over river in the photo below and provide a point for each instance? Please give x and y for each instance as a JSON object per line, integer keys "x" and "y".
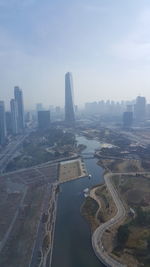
{"x": 87, "y": 155}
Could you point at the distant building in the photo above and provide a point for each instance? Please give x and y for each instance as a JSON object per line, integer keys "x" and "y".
{"x": 28, "y": 117}
{"x": 76, "y": 108}
{"x": 8, "y": 122}
{"x": 140, "y": 109}
{"x": 44, "y": 119}
{"x": 39, "y": 107}
{"x": 127, "y": 119}
{"x": 20, "y": 107}
{"x": 14, "y": 116}
{"x": 3, "y": 132}
{"x": 129, "y": 108}
{"x": 58, "y": 110}
{"x": 69, "y": 105}
{"x": 148, "y": 111}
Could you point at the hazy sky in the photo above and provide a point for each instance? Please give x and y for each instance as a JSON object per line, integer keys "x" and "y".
{"x": 104, "y": 43}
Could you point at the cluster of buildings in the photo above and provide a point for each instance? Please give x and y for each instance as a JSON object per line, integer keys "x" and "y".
{"x": 136, "y": 113}
{"x": 105, "y": 107}
{"x": 12, "y": 122}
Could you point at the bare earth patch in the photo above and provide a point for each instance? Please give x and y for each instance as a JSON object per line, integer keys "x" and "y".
{"x": 72, "y": 169}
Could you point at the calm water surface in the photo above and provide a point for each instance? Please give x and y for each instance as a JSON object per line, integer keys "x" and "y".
{"x": 72, "y": 243}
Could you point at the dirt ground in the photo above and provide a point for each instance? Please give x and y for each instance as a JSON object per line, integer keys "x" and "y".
{"x": 70, "y": 170}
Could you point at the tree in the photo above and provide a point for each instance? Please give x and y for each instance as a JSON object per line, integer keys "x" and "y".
{"x": 123, "y": 234}
{"x": 148, "y": 243}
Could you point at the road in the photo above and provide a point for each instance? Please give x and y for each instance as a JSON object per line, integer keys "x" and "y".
{"x": 99, "y": 232}
{"x": 9, "y": 152}
{"x": 45, "y": 164}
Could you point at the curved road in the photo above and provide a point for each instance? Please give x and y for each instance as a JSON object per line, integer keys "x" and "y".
{"x": 98, "y": 234}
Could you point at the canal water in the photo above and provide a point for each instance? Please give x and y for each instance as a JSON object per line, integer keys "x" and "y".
{"x": 72, "y": 242}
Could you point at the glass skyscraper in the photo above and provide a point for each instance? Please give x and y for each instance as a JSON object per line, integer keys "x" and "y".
{"x": 14, "y": 116}
{"x": 20, "y": 108}
{"x": 69, "y": 105}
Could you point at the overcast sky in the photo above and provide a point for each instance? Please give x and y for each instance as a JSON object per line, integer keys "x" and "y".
{"x": 104, "y": 43}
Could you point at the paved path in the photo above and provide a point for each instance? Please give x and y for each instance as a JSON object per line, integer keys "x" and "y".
{"x": 93, "y": 195}
{"x": 99, "y": 232}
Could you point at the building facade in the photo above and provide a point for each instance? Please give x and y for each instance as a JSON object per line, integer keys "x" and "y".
{"x": 43, "y": 119}
{"x": 3, "y": 132}
{"x": 8, "y": 122}
{"x": 18, "y": 95}
{"x": 140, "y": 109}
{"x": 14, "y": 116}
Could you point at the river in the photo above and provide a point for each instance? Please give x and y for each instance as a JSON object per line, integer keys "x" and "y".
{"x": 72, "y": 241}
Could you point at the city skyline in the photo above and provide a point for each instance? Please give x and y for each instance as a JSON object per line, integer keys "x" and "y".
{"x": 105, "y": 45}
{"x": 50, "y": 105}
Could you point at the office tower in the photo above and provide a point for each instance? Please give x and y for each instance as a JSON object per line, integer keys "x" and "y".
{"x": 8, "y": 122}
{"x": 14, "y": 116}
{"x": 3, "y": 132}
{"x": 69, "y": 105}
{"x": 43, "y": 119}
{"x": 128, "y": 117}
{"x": 140, "y": 109}
{"x": 20, "y": 108}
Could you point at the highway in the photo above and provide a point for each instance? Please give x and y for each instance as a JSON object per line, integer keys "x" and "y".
{"x": 99, "y": 232}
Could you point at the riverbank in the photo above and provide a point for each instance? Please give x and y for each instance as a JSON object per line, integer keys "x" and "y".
{"x": 72, "y": 240}
{"x": 132, "y": 187}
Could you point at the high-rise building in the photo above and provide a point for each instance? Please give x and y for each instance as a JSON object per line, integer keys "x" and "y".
{"x": 14, "y": 116}
{"x": 127, "y": 119}
{"x": 8, "y": 122}
{"x": 69, "y": 105}
{"x": 20, "y": 107}
{"x": 44, "y": 119}
{"x": 3, "y": 132}
{"x": 140, "y": 109}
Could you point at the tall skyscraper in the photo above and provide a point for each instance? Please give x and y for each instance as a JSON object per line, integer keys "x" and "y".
{"x": 3, "y": 132}
{"x": 20, "y": 108}
{"x": 69, "y": 105}
{"x": 14, "y": 116}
